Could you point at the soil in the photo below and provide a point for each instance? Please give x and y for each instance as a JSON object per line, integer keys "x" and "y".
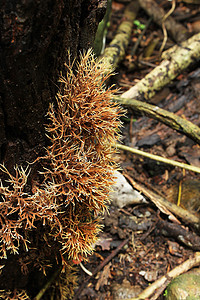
{"x": 147, "y": 254}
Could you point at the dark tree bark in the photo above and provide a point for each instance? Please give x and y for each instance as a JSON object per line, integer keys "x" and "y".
{"x": 35, "y": 37}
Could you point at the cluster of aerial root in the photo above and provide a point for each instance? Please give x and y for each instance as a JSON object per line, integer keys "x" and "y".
{"x": 77, "y": 173}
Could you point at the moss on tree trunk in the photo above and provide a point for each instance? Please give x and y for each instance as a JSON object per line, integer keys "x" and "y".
{"x": 35, "y": 38}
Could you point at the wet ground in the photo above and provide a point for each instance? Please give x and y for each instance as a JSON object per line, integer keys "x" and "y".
{"x": 136, "y": 250}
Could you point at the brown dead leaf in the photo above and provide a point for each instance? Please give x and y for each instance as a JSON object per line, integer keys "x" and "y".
{"x": 117, "y": 6}
{"x": 192, "y": 156}
{"x": 173, "y": 247}
{"x": 103, "y": 278}
{"x": 104, "y": 242}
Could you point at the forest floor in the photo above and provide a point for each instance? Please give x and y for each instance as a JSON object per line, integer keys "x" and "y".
{"x": 142, "y": 253}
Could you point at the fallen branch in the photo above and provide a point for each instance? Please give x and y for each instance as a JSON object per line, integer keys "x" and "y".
{"x": 167, "y": 54}
{"x": 168, "y": 118}
{"x": 176, "y": 231}
{"x": 158, "y": 158}
{"x": 166, "y": 279}
{"x": 185, "y": 55}
{"x": 167, "y": 207}
{"x": 115, "y": 51}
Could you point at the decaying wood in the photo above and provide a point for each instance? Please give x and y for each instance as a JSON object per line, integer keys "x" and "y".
{"x": 166, "y": 279}
{"x": 176, "y": 231}
{"x": 165, "y": 206}
{"x": 172, "y": 52}
{"x": 168, "y": 118}
{"x": 185, "y": 55}
{"x": 115, "y": 51}
{"x": 177, "y": 31}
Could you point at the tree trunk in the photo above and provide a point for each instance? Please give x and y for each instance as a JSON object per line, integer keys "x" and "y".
{"x": 35, "y": 37}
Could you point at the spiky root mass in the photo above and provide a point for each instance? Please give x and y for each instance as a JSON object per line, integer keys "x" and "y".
{"x": 77, "y": 170}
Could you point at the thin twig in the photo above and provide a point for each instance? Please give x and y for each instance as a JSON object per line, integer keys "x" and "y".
{"x": 164, "y": 27}
{"x": 47, "y": 285}
{"x": 113, "y": 254}
{"x": 85, "y": 269}
{"x": 166, "y": 206}
{"x": 159, "y": 158}
{"x": 165, "y": 280}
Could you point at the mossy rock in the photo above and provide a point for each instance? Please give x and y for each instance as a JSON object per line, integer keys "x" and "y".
{"x": 185, "y": 287}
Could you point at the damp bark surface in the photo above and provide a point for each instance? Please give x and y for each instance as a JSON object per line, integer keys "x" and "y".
{"x": 35, "y": 37}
